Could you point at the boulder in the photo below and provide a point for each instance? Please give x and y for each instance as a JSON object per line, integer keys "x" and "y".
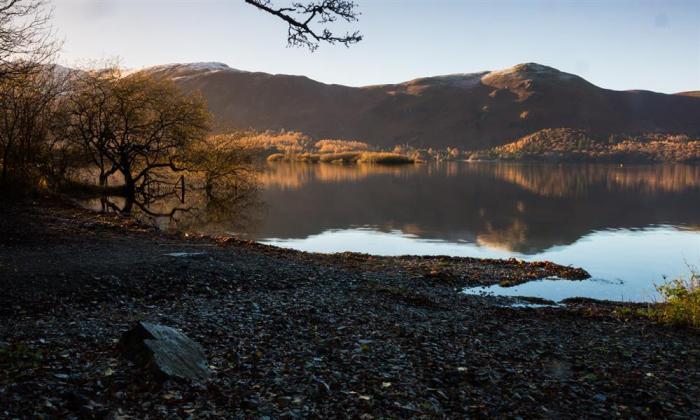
{"x": 164, "y": 352}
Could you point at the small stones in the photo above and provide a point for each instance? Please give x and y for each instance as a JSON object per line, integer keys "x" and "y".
{"x": 295, "y": 335}
{"x": 600, "y": 398}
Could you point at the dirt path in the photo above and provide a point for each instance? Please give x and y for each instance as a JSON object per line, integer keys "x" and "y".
{"x": 290, "y": 334}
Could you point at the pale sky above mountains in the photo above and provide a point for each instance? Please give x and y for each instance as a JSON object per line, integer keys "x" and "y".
{"x": 616, "y": 44}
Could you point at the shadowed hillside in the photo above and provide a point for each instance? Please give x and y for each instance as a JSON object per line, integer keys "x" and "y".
{"x": 469, "y": 111}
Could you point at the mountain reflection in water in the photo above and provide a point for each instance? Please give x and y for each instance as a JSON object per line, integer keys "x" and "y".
{"x": 629, "y": 226}
{"x": 522, "y": 208}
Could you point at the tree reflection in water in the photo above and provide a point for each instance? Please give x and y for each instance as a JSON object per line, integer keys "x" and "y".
{"x": 230, "y": 205}
{"x": 523, "y": 208}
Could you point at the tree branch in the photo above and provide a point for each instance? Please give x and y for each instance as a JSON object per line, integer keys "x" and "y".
{"x": 301, "y": 16}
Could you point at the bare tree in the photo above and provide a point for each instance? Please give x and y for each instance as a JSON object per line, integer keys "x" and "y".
{"x": 224, "y": 165}
{"x": 90, "y": 120}
{"x": 26, "y": 39}
{"x": 28, "y": 87}
{"x": 27, "y": 106}
{"x": 138, "y": 126}
{"x": 307, "y": 21}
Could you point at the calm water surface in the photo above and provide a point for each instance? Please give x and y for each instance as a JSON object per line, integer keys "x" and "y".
{"x": 629, "y": 226}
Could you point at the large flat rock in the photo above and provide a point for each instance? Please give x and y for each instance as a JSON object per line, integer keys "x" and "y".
{"x": 165, "y": 352}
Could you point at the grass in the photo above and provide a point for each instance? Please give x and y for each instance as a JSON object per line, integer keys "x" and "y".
{"x": 346, "y": 158}
{"x": 292, "y": 146}
{"x": 384, "y": 158}
{"x": 300, "y": 157}
{"x": 681, "y": 302}
{"x": 339, "y": 146}
{"x": 381, "y": 158}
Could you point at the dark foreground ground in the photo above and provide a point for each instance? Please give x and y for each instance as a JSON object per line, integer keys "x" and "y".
{"x": 293, "y": 335}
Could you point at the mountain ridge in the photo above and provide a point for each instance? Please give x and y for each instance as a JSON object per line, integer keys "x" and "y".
{"x": 466, "y": 110}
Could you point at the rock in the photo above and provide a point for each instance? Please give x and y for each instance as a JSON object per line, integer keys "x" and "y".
{"x": 249, "y": 404}
{"x": 75, "y": 399}
{"x": 164, "y": 352}
{"x": 323, "y": 390}
{"x": 188, "y": 255}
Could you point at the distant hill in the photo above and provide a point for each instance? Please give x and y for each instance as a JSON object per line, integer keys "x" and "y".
{"x": 470, "y": 111}
{"x": 572, "y": 145}
{"x": 694, "y": 93}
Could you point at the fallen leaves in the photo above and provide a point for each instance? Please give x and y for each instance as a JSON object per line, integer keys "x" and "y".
{"x": 289, "y": 334}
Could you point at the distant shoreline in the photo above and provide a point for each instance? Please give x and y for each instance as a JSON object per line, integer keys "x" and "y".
{"x": 557, "y": 145}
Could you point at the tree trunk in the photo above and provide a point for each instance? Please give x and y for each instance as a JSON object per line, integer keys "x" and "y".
{"x": 103, "y": 173}
{"x": 3, "y": 180}
{"x": 5, "y": 161}
{"x": 129, "y": 188}
{"x": 128, "y": 205}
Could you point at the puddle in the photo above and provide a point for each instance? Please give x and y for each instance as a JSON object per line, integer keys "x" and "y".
{"x": 557, "y": 289}
{"x": 528, "y": 305}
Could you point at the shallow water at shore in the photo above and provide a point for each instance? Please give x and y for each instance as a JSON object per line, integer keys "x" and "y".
{"x": 624, "y": 264}
{"x": 628, "y": 226}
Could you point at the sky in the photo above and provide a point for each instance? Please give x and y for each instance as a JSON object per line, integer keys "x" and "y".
{"x": 616, "y": 44}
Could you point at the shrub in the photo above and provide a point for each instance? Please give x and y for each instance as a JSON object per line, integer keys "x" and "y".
{"x": 276, "y": 157}
{"x": 308, "y": 157}
{"x": 384, "y": 158}
{"x": 339, "y": 146}
{"x": 346, "y": 157}
{"x": 681, "y": 305}
{"x": 287, "y": 142}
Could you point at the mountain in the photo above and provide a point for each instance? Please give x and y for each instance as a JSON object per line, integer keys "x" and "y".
{"x": 469, "y": 111}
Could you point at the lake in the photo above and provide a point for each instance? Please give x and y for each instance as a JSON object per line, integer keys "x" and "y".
{"x": 629, "y": 226}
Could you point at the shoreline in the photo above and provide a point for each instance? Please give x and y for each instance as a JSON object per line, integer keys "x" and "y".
{"x": 433, "y": 269}
{"x": 294, "y": 334}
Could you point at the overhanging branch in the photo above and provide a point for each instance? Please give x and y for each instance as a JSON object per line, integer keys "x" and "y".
{"x": 301, "y": 18}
